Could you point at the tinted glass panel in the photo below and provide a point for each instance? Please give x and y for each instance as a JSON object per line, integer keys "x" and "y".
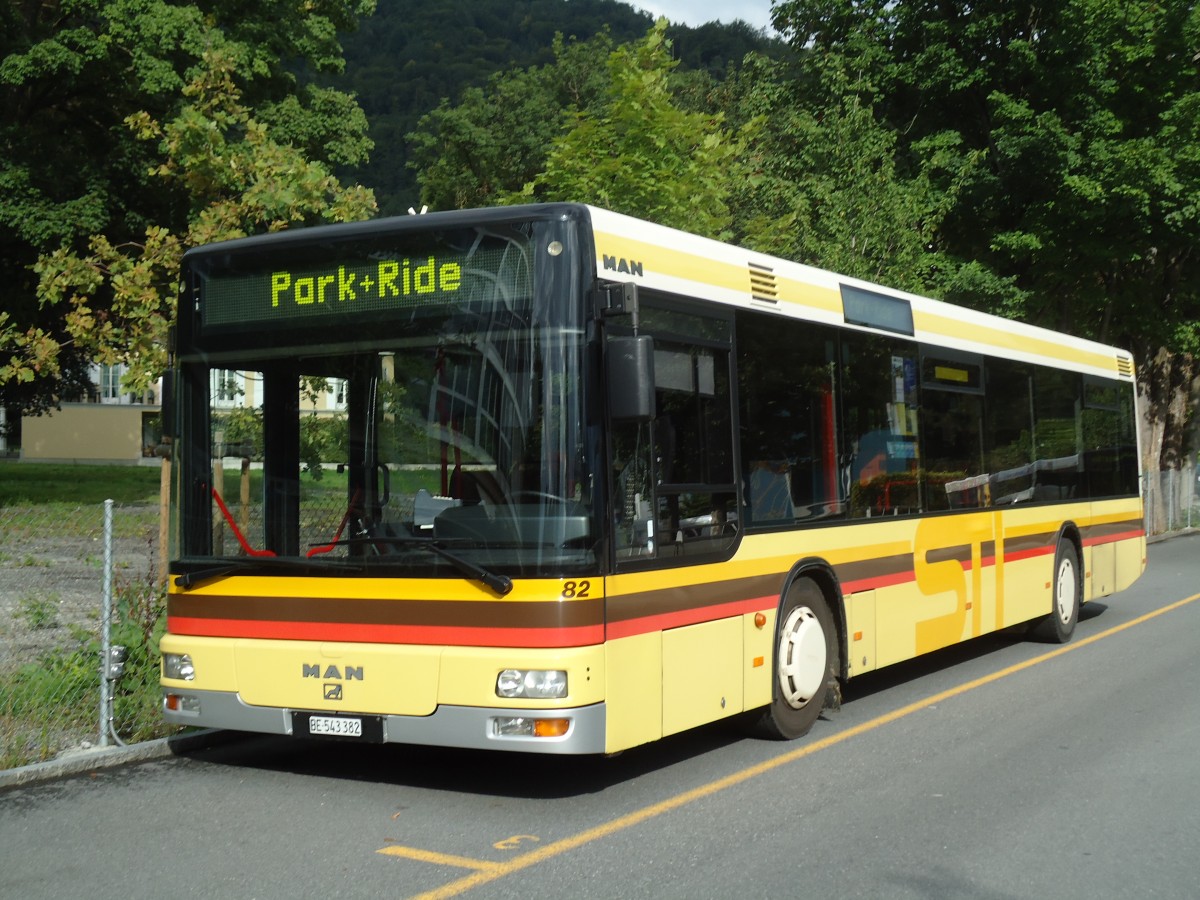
{"x": 1109, "y": 438}
{"x": 788, "y": 419}
{"x": 952, "y": 429}
{"x": 674, "y": 488}
{"x": 1056, "y": 437}
{"x": 1008, "y": 431}
{"x": 861, "y": 307}
{"x": 879, "y": 425}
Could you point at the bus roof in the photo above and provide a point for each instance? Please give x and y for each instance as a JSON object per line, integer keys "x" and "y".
{"x": 657, "y": 257}
{"x": 681, "y": 263}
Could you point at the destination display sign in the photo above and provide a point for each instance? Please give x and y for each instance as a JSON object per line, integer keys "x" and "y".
{"x": 369, "y": 286}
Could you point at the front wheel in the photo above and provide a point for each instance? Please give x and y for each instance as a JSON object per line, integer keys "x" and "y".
{"x": 806, "y": 662}
{"x": 1067, "y": 590}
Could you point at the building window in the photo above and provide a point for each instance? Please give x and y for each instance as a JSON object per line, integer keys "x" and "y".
{"x": 227, "y": 388}
{"x": 110, "y": 383}
{"x": 335, "y": 397}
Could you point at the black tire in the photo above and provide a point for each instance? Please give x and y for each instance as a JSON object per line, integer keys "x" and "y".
{"x": 805, "y": 665}
{"x": 1066, "y": 590}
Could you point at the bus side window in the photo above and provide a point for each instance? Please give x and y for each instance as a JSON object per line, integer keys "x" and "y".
{"x": 788, "y": 413}
{"x": 693, "y": 440}
{"x": 673, "y": 486}
{"x": 952, "y": 452}
{"x": 1008, "y": 431}
{"x": 1057, "y": 437}
{"x": 632, "y": 490}
{"x": 880, "y": 457}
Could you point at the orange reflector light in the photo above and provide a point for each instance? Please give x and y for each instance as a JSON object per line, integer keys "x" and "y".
{"x": 758, "y": 661}
{"x": 858, "y": 635}
{"x": 173, "y": 702}
{"x": 759, "y": 620}
{"x": 551, "y": 727}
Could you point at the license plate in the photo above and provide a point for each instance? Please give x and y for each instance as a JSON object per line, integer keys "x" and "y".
{"x": 336, "y": 726}
{"x": 368, "y": 729}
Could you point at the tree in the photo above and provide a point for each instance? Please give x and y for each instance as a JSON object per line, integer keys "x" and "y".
{"x": 133, "y": 128}
{"x": 413, "y": 55}
{"x": 638, "y": 152}
{"x": 495, "y": 139}
{"x": 115, "y": 300}
{"x": 827, "y": 184}
{"x": 1067, "y": 135}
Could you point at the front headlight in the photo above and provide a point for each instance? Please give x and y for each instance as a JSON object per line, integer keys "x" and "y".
{"x": 532, "y": 684}
{"x": 178, "y": 666}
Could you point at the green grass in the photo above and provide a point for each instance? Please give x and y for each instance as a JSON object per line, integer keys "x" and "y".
{"x": 35, "y": 484}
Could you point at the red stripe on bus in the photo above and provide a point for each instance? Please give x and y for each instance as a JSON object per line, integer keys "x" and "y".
{"x": 663, "y": 621}
{"x": 1114, "y": 538}
{"x": 388, "y": 634}
{"x": 1019, "y": 555}
{"x": 882, "y": 581}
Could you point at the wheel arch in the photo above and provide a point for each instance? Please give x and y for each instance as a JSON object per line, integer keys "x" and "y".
{"x": 821, "y": 573}
{"x": 1071, "y": 532}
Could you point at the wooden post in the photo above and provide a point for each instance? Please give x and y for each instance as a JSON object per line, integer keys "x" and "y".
{"x": 245, "y": 496}
{"x": 164, "y": 519}
{"x": 218, "y": 483}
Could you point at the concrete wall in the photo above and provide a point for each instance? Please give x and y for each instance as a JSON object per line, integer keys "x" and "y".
{"x": 85, "y": 432}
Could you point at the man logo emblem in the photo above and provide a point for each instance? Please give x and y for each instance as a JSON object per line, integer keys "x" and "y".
{"x": 333, "y": 692}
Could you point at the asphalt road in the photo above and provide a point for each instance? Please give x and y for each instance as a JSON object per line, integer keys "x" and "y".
{"x": 1001, "y": 769}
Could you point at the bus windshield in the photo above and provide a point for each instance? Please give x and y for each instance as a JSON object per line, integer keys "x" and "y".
{"x": 439, "y": 433}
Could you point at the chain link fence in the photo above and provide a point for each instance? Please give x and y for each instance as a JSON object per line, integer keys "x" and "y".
{"x": 1172, "y": 500}
{"x": 57, "y": 569}
{"x": 67, "y": 571}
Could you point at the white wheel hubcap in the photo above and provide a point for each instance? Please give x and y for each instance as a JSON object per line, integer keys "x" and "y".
{"x": 1064, "y": 594}
{"x": 802, "y": 660}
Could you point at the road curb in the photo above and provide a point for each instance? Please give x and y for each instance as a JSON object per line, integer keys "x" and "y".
{"x": 1168, "y": 535}
{"x": 95, "y": 758}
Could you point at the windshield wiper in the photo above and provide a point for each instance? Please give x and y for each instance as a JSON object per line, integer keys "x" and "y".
{"x": 188, "y": 580}
{"x": 501, "y": 584}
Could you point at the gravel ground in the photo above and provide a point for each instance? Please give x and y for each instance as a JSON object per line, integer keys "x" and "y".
{"x": 52, "y": 572}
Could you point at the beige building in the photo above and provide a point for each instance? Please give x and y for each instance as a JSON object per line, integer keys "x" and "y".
{"x": 107, "y": 426}
{"x": 91, "y": 433}
{"x": 112, "y": 427}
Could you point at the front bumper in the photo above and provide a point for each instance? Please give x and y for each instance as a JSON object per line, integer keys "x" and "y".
{"x": 469, "y": 727}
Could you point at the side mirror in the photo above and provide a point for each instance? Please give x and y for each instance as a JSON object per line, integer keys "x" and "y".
{"x": 631, "y": 378}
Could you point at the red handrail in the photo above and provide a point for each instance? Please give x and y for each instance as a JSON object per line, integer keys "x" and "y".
{"x": 237, "y": 532}
{"x": 338, "y": 534}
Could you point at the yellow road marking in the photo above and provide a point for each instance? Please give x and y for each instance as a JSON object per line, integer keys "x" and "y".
{"x": 489, "y": 872}
{"x": 515, "y": 841}
{"x": 441, "y": 859}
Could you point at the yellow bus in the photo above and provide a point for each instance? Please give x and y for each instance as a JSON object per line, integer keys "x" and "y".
{"x": 586, "y": 482}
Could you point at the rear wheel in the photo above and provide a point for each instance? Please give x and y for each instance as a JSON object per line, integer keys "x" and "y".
{"x": 1067, "y": 591}
{"x": 806, "y": 662}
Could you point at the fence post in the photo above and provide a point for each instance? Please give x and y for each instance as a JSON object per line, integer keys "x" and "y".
{"x": 106, "y": 627}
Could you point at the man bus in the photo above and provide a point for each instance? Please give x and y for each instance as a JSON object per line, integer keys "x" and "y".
{"x": 588, "y": 481}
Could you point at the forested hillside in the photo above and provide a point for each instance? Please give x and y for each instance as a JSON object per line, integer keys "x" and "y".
{"x": 412, "y": 54}
{"x": 1040, "y": 161}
